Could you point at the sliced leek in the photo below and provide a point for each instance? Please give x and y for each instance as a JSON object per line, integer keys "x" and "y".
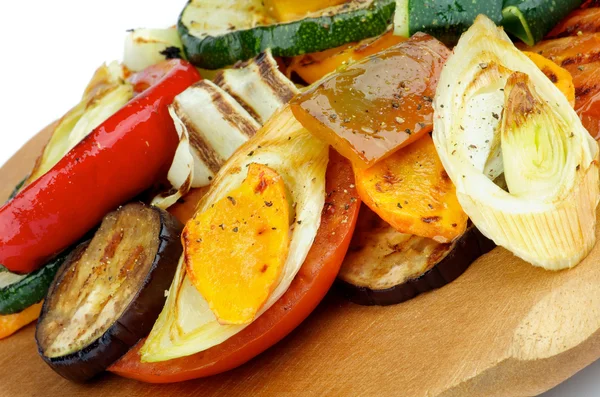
{"x": 106, "y": 93}
{"x": 186, "y": 324}
{"x": 214, "y": 119}
{"x": 497, "y": 113}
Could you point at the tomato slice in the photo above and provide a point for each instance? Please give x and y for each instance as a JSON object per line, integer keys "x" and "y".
{"x": 306, "y": 291}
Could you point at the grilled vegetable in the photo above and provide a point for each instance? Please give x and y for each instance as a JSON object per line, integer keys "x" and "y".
{"x": 219, "y": 34}
{"x": 446, "y": 20}
{"x": 377, "y": 105}
{"x": 214, "y": 119}
{"x": 312, "y": 67}
{"x": 578, "y": 22}
{"x": 118, "y": 160}
{"x": 561, "y": 78}
{"x": 306, "y": 290}
{"x": 11, "y": 323}
{"x": 109, "y": 291}
{"x": 290, "y": 10}
{"x": 106, "y": 93}
{"x": 530, "y": 20}
{"x": 258, "y": 86}
{"x": 146, "y": 47}
{"x": 496, "y": 112}
{"x": 19, "y": 291}
{"x": 236, "y": 249}
{"x": 301, "y": 161}
{"x": 411, "y": 191}
{"x": 579, "y": 54}
{"x": 385, "y": 267}
{"x": 18, "y": 188}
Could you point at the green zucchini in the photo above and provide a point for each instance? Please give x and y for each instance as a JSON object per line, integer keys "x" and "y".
{"x": 530, "y": 20}
{"x": 17, "y": 188}
{"x": 446, "y": 20}
{"x": 217, "y": 34}
{"x": 18, "y": 292}
{"x": 145, "y": 47}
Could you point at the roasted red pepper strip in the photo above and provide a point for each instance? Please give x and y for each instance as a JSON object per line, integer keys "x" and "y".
{"x": 115, "y": 162}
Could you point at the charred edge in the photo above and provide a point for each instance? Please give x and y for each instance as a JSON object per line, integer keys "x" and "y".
{"x": 581, "y": 59}
{"x": 233, "y": 117}
{"x": 471, "y": 245}
{"x": 268, "y": 71}
{"x": 221, "y": 80}
{"x": 550, "y": 74}
{"x": 138, "y": 317}
{"x": 519, "y": 99}
{"x": 206, "y": 153}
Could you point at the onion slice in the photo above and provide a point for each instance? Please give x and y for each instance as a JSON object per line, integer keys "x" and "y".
{"x": 497, "y": 113}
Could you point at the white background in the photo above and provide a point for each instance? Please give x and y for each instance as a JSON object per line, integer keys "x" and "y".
{"x": 50, "y": 49}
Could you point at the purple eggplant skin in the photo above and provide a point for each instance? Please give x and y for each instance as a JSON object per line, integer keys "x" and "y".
{"x": 470, "y": 246}
{"x": 137, "y": 319}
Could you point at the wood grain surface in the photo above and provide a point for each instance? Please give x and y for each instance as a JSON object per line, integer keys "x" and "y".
{"x": 504, "y": 328}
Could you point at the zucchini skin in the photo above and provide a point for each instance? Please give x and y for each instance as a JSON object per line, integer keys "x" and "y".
{"x": 137, "y": 319}
{"x": 446, "y": 20}
{"x": 287, "y": 39}
{"x": 470, "y": 246}
{"x": 17, "y": 188}
{"x": 539, "y": 15}
{"x": 32, "y": 289}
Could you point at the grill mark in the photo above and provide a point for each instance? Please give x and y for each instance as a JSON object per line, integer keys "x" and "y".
{"x": 233, "y": 117}
{"x": 111, "y": 247}
{"x": 206, "y": 153}
{"x": 136, "y": 256}
{"x": 550, "y": 74}
{"x": 268, "y": 71}
{"x": 581, "y": 59}
{"x": 221, "y": 81}
{"x": 585, "y": 90}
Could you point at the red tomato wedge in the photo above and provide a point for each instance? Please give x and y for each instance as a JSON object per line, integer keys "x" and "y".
{"x": 306, "y": 291}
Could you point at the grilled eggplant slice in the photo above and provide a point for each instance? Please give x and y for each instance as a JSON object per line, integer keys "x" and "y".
{"x": 385, "y": 267}
{"x": 108, "y": 293}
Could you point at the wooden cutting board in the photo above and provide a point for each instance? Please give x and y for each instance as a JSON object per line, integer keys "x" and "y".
{"x": 504, "y": 328}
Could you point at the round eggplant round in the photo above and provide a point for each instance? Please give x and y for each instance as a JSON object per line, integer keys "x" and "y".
{"x": 385, "y": 267}
{"x": 109, "y": 292}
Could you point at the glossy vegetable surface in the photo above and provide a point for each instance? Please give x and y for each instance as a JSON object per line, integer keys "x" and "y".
{"x": 578, "y": 22}
{"x": 119, "y": 159}
{"x": 377, "y": 105}
{"x": 308, "y": 288}
{"x": 312, "y": 67}
{"x": 412, "y": 192}
{"x": 579, "y": 55}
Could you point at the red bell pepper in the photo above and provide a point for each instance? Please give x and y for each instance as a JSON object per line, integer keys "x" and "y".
{"x": 118, "y": 160}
